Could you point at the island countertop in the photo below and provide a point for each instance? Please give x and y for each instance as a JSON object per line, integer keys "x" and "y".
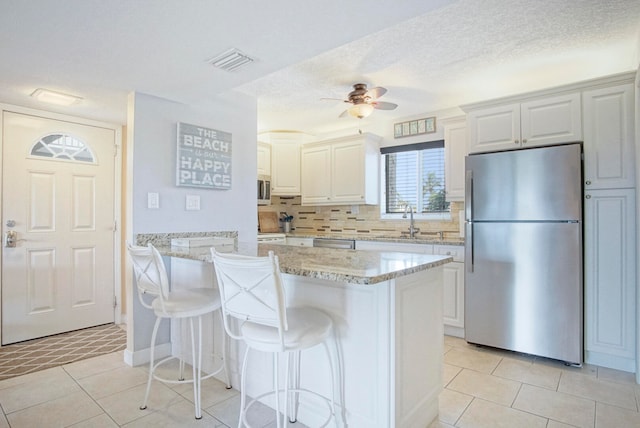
{"x": 347, "y": 266}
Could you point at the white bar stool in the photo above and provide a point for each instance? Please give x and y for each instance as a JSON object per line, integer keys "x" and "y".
{"x": 251, "y": 291}
{"x": 151, "y": 279}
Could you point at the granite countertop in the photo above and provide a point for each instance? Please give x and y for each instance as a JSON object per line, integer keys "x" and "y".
{"x": 348, "y": 266}
{"x": 396, "y": 239}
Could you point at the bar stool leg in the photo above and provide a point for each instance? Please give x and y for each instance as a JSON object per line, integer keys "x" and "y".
{"x": 194, "y": 370}
{"x": 276, "y": 385}
{"x": 181, "y": 359}
{"x": 243, "y": 390}
{"x": 225, "y": 352}
{"x": 151, "y": 362}
{"x": 294, "y": 397}
{"x": 336, "y": 377}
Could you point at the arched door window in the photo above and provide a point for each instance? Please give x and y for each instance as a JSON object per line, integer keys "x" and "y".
{"x": 62, "y": 147}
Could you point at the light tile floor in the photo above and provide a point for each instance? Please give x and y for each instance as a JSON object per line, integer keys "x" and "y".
{"x": 492, "y": 388}
{"x": 482, "y": 388}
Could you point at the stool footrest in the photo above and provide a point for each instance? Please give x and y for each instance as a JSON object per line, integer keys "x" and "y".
{"x": 326, "y": 400}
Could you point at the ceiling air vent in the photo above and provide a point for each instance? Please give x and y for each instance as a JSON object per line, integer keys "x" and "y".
{"x": 230, "y": 60}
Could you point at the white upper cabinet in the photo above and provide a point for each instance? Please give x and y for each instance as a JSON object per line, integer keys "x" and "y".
{"x": 316, "y": 172}
{"x": 348, "y": 172}
{"x": 551, "y": 120}
{"x": 341, "y": 171}
{"x": 608, "y": 137}
{"x": 455, "y": 149}
{"x": 285, "y": 161}
{"x": 285, "y": 168}
{"x": 494, "y": 128}
{"x": 532, "y": 123}
{"x": 264, "y": 159}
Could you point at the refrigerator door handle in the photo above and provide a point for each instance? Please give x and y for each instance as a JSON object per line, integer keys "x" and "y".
{"x": 468, "y": 257}
{"x": 468, "y": 201}
{"x": 468, "y": 196}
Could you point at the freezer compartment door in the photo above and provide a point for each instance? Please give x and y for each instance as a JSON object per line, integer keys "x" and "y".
{"x": 524, "y": 291}
{"x": 534, "y": 184}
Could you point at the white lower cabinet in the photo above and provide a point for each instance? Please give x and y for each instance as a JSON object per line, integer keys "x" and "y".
{"x": 453, "y": 289}
{"x": 610, "y": 278}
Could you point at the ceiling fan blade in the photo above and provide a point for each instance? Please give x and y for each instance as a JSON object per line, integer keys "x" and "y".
{"x": 344, "y": 113}
{"x": 381, "y": 105}
{"x": 333, "y": 99}
{"x": 376, "y": 92}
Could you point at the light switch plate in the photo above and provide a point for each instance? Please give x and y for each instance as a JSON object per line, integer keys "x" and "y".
{"x": 153, "y": 200}
{"x": 192, "y": 203}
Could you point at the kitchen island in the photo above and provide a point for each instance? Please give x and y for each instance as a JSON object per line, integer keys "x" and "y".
{"x": 387, "y": 308}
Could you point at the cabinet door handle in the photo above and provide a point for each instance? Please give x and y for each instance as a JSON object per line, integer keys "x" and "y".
{"x": 524, "y": 141}
{"x": 588, "y": 183}
{"x": 588, "y": 197}
{"x": 516, "y": 141}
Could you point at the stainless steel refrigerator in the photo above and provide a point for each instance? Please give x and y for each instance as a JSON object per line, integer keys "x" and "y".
{"x": 523, "y": 251}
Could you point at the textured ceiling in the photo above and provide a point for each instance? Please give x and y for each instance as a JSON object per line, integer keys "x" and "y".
{"x": 430, "y": 55}
{"x": 469, "y": 51}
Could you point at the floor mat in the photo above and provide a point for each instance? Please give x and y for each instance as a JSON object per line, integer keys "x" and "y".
{"x": 52, "y": 351}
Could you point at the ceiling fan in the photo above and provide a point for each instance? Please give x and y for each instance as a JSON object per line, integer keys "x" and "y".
{"x": 364, "y": 101}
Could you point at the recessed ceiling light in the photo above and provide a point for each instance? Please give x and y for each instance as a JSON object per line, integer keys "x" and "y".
{"x": 230, "y": 60}
{"x": 53, "y": 97}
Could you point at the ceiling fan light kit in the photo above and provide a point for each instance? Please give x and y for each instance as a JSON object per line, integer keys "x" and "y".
{"x": 363, "y": 101}
{"x": 360, "y": 110}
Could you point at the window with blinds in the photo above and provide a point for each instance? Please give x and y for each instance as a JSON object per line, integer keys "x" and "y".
{"x": 414, "y": 175}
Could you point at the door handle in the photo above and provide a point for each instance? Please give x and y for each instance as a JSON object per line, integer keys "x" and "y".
{"x": 10, "y": 238}
{"x": 469, "y": 253}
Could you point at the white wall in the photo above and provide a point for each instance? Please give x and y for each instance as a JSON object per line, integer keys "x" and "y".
{"x": 152, "y": 133}
{"x": 154, "y": 165}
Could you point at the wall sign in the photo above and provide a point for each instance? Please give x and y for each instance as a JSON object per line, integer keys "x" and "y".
{"x": 414, "y": 127}
{"x": 203, "y": 158}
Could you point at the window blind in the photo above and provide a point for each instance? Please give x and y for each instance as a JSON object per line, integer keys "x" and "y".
{"x": 415, "y": 176}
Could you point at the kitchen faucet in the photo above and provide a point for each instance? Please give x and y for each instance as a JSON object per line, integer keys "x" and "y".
{"x": 412, "y": 229}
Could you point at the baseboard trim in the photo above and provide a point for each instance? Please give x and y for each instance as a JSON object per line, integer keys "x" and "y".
{"x": 137, "y": 358}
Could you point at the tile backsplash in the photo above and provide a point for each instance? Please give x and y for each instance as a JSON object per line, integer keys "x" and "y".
{"x": 363, "y": 220}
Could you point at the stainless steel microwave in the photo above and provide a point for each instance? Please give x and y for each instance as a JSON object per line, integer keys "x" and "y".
{"x": 264, "y": 190}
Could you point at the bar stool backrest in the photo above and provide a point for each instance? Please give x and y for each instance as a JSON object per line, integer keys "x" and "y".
{"x": 150, "y": 273}
{"x": 251, "y": 290}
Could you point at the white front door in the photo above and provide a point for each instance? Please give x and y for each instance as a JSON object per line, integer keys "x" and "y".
{"x": 58, "y": 201}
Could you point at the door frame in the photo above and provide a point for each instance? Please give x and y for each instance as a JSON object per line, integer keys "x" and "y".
{"x": 117, "y": 194}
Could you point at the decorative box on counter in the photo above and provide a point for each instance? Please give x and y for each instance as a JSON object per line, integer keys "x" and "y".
{"x": 220, "y": 244}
